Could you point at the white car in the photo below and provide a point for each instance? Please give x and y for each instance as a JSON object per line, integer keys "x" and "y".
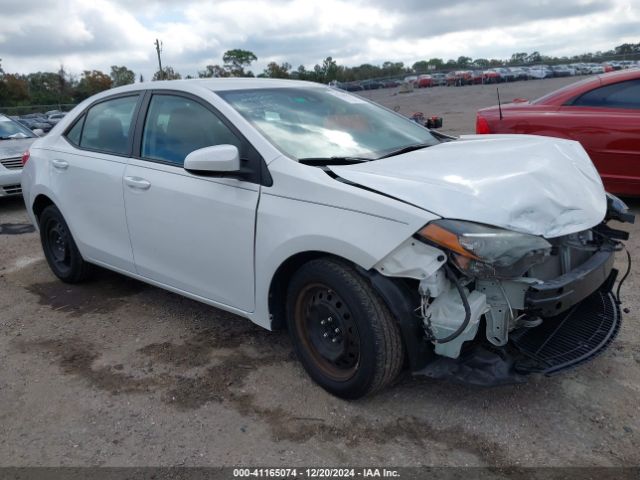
{"x": 15, "y": 139}
{"x": 379, "y": 243}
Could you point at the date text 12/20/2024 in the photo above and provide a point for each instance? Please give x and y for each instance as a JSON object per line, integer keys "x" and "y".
{"x": 315, "y": 473}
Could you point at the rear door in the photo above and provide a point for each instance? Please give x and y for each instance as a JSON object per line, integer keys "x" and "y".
{"x": 86, "y": 172}
{"x": 190, "y": 232}
{"x": 606, "y": 121}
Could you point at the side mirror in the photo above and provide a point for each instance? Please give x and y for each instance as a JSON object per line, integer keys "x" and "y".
{"x": 39, "y": 132}
{"x": 217, "y": 159}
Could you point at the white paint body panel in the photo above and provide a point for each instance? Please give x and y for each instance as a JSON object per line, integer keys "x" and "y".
{"x": 530, "y": 184}
{"x": 193, "y": 233}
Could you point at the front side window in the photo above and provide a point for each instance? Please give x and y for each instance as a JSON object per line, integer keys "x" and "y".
{"x": 107, "y": 125}
{"x": 176, "y": 126}
{"x": 322, "y": 122}
{"x": 617, "y": 95}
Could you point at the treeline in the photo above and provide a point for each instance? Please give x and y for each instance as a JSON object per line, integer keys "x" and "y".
{"x": 61, "y": 87}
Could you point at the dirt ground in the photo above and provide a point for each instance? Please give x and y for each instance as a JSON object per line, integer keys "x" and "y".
{"x": 118, "y": 373}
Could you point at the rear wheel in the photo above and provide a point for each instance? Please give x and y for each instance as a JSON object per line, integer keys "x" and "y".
{"x": 343, "y": 333}
{"x": 60, "y": 249}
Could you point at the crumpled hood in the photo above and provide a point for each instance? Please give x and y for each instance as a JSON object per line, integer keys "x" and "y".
{"x": 539, "y": 185}
{"x": 14, "y": 147}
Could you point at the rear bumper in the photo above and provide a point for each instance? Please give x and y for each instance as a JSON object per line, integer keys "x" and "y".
{"x": 558, "y": 295}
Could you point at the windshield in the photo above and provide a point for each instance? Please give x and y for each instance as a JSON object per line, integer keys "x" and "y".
{"x": 325, "y": 123}
{"x": 10, "y": 129}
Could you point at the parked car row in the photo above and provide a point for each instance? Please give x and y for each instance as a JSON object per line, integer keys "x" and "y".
{"x": 40, "y": 121}
{"x": 488, "y": 76}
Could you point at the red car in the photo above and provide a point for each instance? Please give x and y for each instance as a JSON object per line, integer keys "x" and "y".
{"x": 424, "y": 81}
{"x": 601, "y": 112}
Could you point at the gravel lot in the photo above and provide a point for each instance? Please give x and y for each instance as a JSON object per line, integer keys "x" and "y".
{"x": 118, "y": 373}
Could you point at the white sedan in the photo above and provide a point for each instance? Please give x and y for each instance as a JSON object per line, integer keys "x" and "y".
{"x": 379, "y": 243}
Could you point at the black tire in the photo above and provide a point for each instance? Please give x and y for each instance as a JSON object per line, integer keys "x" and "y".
{"x": 342, "y": 331}
{"x": 60, "y": 249}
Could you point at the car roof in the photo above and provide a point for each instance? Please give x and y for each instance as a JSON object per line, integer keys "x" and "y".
{"x": 217, "y": 84}
{"x": 566, "y": 93}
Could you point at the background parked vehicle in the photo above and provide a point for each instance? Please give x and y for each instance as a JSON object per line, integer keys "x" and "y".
{"x": 54, "y": 118}
{"x": 36, "y": 124}
{"x": 424, "y": 81}
{"x": 491, "y": 76}
{"x": 506, "y": 75}
{"x": 519, "y": 73}
{"x": 15, "y": 139}
{"x": 601, "y": 112}
{"x": 562, "y": 71}
{"x": 540, "y": 71}
{"x": 439, "y": 79}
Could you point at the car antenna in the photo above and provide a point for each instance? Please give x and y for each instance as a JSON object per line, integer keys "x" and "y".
{"x": 499, "y": 105}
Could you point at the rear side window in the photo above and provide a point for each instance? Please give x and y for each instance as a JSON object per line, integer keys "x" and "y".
{"x": 617, "y": 95}
{"x": 176, "y": 126}
{"x": 107, "y": 125}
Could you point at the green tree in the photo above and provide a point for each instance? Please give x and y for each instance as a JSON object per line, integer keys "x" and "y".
{"x": 236, "y": 60}
{"x": 167, "y": 74}
{"x": 421, "y": 66}
{"x": 534, "y": 57}
{"x": 92, "y": 82}
{"x": 463, "y": 62}
{"x": 122, "y": 76}
{"x": 44, "y": 88}
{"x": 518, "y": 58}
{"x": 274, "y": 70}
{"x": 437, "y": 63}
{"x": 213, "y": 71}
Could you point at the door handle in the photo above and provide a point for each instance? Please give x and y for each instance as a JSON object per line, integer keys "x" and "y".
{"x": 60, "y": 164}
{"x": 137, "y": 182}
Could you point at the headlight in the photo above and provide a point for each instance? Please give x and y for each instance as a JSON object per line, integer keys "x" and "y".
{"x": 484, "y": 251}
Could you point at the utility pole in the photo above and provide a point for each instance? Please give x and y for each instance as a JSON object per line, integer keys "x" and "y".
{"x": 158, "y": 50}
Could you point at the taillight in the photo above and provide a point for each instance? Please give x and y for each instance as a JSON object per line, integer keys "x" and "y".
{"x": 482, "y": 126}
{"x": 25, "y": 157}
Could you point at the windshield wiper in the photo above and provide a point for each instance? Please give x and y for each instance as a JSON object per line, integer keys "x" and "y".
{"x": 333, "y": 160}
{"x": 407, "y": 149}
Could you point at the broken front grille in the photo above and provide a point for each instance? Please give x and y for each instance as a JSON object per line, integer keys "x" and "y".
{"x": 569, "y": 339}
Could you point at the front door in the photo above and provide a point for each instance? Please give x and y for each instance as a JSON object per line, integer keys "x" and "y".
{"x": 190, "y": 232}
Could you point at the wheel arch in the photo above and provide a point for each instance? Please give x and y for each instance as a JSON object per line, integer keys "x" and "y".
{"x": 41, "y": 202}
{"x": 280, "y": 282}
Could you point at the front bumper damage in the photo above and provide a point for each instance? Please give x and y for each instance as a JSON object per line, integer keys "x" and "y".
{"x": 559, "y": 315}
{"x": 560, "y": 342}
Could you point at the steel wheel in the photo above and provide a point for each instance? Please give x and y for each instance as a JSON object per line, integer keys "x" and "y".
{"x": 59, "y": 248}
{"x": 329, "y": 331}
{"x": 343, "y": 333}
{"x": 57, "y": 242}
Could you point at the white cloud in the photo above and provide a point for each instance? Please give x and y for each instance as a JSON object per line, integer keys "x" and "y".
{"x": 40, "y": 35}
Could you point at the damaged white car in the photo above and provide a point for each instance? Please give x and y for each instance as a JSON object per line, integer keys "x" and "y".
{"x": 382, "y": 245}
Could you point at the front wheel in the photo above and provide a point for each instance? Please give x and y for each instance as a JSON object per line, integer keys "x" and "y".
{"x": 343, "y": 333}
{"x": 60, "y": 249}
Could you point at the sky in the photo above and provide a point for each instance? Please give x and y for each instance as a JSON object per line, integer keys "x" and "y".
{"x": 40, "y": 35}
